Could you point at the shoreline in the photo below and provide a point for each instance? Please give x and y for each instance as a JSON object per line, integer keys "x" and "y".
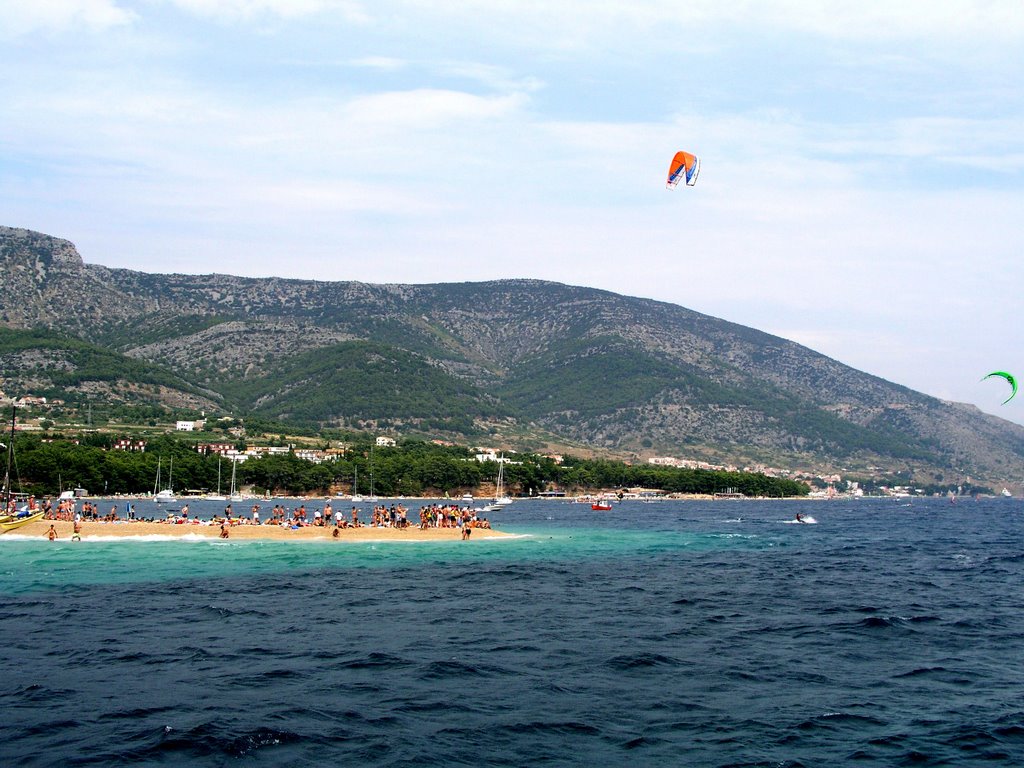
{"x": 134, "y": 529}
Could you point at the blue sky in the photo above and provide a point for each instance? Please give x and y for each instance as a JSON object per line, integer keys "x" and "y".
{"x": 861, "y": 191}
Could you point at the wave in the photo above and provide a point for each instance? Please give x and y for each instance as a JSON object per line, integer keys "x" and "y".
{"x": 565, "y": 728}
{"x": 641, "y": 661}
{"x": 843, "y": 718}
{"x": 440, "y": 670}
{"x": 376, "y": 660}
{"x": 208, "y": 740}
{"x": 876, "y": 622}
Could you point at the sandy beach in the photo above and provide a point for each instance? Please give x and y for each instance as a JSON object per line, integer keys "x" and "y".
{"x": 252, "y": 532}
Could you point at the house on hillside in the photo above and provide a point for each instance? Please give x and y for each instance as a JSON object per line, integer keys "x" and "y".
{"x": 127, "y": 444}
{"x": 219, "y": 448}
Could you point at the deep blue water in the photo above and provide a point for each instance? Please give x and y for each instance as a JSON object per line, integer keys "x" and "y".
{"x": 689, "y": 633}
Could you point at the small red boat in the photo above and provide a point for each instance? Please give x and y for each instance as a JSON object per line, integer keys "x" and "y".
{"x": 601, "y": 506}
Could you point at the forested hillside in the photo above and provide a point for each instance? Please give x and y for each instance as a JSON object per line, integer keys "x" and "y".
{"x": 521, "y": 360}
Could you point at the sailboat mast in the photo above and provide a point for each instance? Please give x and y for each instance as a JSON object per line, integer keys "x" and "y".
{"x": 10, "y": 455}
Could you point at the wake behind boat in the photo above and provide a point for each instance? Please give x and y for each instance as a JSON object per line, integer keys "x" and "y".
{"x": 801, "y": 520}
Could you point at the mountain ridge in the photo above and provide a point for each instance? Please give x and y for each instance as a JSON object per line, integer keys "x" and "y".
{"x": 623, "y": 374}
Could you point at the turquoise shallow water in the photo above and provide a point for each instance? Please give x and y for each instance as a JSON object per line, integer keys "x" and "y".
{"x": 541, "y": 530}
{"x": 686, "y": 633}
{"x": 39, "y": 565}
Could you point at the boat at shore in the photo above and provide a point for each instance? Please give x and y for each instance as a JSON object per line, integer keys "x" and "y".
{"x": 218, "y": 496}
{"x": 233, "y": 494}
{"x": 165, "y": 495}
{"x": 355, "y": 496}
{"x": 729, "y": 494}
{"x": 501, "y": 500}
{"x": 18, "y": 518}
{"x": 12, "y": 516}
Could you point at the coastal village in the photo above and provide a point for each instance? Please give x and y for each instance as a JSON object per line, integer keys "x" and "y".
{"x": 822, "y": 484}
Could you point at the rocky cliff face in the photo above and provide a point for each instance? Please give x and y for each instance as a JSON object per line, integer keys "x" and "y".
{"x": 595, "y": 367}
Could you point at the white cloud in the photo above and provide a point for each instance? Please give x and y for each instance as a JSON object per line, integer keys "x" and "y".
{"x": 581, "y": 24}
{"x": 881, "y": 19}
{"x": 428, "y": 107}
{"x": 383, "y": 63}
{"x": 22, "y": 17}
{"x": 248, "y": 10}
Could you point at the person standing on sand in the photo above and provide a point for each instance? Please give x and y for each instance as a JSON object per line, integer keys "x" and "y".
{"x": 52, "y": 533}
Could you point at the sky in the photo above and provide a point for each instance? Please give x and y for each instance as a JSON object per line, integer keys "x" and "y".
{"x": 862, "y": 163}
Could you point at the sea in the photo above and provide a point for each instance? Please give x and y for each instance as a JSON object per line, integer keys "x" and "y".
{"x": 691, "y": 633}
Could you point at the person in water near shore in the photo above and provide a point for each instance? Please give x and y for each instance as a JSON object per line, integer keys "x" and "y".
{"x": 52, "y": 533}
{"x": 224, "y": 533}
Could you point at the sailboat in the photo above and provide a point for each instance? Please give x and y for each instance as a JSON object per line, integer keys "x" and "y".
{"x": 216, "y": 496}
{"x": 355, "y": 487}
{"x": 10, "y": 516}
{"x": 372, "y": 498}
{"x": 166, "y": 495}
{"x": 234, "y": 495}
{"x": 501, "y": 500}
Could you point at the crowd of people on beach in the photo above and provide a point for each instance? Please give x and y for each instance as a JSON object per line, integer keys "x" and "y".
{"x": 395, "y": 516}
